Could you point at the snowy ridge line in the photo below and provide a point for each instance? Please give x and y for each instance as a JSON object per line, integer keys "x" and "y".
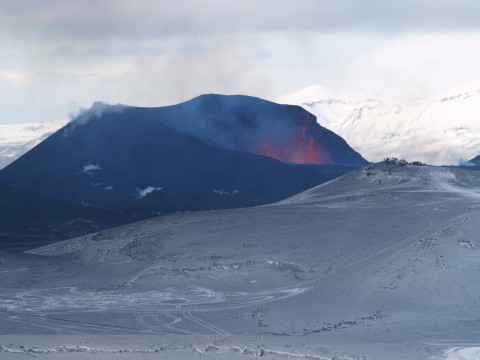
{"x": 243, "y": 350}
{"x": 289, "y": 355}
{"x": 367, "y": 180}
{"x": 379, "y": 177}
{"x": 185, "y": 271}
{"x": 19, "y": 349}
{"x": 76, "y": 245}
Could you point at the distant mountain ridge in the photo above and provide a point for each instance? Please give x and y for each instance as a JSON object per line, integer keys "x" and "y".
{"x": 441, "y": 131}
{"x": 17, "y": 139}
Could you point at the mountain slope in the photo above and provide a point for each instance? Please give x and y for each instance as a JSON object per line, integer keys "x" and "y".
{"x": 28, "y": 220}
{"x": 440, "y": 131}
{"x": 202, "y": 154}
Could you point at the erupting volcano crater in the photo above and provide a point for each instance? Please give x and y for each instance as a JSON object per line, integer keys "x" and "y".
{"x": 284, "y": 132}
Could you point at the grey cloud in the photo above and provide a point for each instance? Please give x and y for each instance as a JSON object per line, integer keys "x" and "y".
{"x": 99, "y": 19}
{"x": 157, "y": 52}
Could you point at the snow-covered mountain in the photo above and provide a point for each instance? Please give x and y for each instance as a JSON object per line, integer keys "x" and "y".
{"x": 444, "y": 130}
{"x": 17, "y": 139}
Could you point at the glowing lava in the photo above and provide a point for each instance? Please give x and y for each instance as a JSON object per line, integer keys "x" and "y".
{"x": 296, "y": 148}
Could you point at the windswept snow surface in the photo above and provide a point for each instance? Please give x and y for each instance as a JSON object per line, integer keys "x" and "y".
{"x": 90, "y": 167}
{"x": 468, "y": 353}
{"x": 381, "y": 263}
{"x": 442, "y": 130}
{"x": 141, "y": 193}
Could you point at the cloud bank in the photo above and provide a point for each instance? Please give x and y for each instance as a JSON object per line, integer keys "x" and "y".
{"x": 151, "y": 53}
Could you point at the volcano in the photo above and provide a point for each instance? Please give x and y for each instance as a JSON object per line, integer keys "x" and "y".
{"x": 211, "y": 152}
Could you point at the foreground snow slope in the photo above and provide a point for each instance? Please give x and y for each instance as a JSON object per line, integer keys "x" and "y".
{"x": 382, "y": 263}
{"x": 442, "y": 130}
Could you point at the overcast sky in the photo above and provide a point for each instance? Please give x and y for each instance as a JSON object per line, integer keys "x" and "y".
{"x": 59, "y": 55}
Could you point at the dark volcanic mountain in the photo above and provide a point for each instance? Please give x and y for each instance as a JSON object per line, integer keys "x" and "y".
{"x": 208, "y": 153}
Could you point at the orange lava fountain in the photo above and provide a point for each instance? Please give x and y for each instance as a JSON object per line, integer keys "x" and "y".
{"x": 298, "y": 148}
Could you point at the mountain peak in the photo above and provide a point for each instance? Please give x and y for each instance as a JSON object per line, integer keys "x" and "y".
{"x": 237, "y": 122}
